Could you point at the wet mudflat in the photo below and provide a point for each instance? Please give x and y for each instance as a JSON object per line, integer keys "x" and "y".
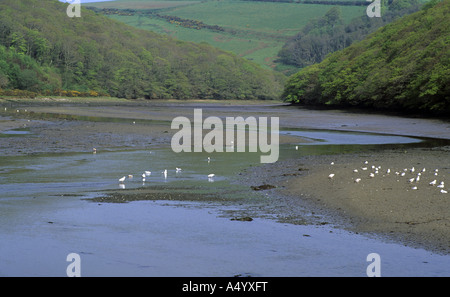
{"x": 58, "y": 197}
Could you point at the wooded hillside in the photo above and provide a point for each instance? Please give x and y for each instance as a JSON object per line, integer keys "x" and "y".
{"x": 43, "y": 51}
{"x": 402, "y": 66}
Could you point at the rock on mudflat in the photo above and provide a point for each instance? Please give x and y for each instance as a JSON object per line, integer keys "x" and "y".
{"x": 242, "y": 219}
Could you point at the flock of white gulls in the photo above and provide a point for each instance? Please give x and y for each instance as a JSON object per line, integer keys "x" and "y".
{"x": 164, "y": 173}
{"x": 412, "y": 176}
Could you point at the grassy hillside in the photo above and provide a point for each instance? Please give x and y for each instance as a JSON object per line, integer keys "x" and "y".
{"x": 403, "y": 66}
{"x": 44, "y": 51}
{"x": 254, "y": 30}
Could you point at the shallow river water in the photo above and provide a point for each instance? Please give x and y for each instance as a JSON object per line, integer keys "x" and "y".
{"x": 44, "y": 217}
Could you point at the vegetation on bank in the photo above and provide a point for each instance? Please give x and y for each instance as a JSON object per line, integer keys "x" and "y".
{"x": 43, "y": 51}
{"x": 404, "y": 65}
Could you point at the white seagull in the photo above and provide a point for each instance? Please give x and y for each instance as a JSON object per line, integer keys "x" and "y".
{"x": 121, "y": 180}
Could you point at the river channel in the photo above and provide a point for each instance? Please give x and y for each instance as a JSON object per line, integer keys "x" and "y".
{"x": 46, "y": 213}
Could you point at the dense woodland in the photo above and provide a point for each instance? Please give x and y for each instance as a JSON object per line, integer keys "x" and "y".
{"x": 403, "y": 66}
{"x": 329, "y": 33}
{"x": 43, "y": 51}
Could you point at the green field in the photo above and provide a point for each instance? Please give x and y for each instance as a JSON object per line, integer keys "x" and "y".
{"x": 254, "y": 30}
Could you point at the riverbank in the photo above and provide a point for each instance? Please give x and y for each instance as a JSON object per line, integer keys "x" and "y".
{"x": 388, "y": 204}
{"x": 385, "y": 205}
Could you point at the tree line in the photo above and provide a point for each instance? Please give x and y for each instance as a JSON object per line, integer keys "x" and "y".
{"x": 187, "y": 23}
